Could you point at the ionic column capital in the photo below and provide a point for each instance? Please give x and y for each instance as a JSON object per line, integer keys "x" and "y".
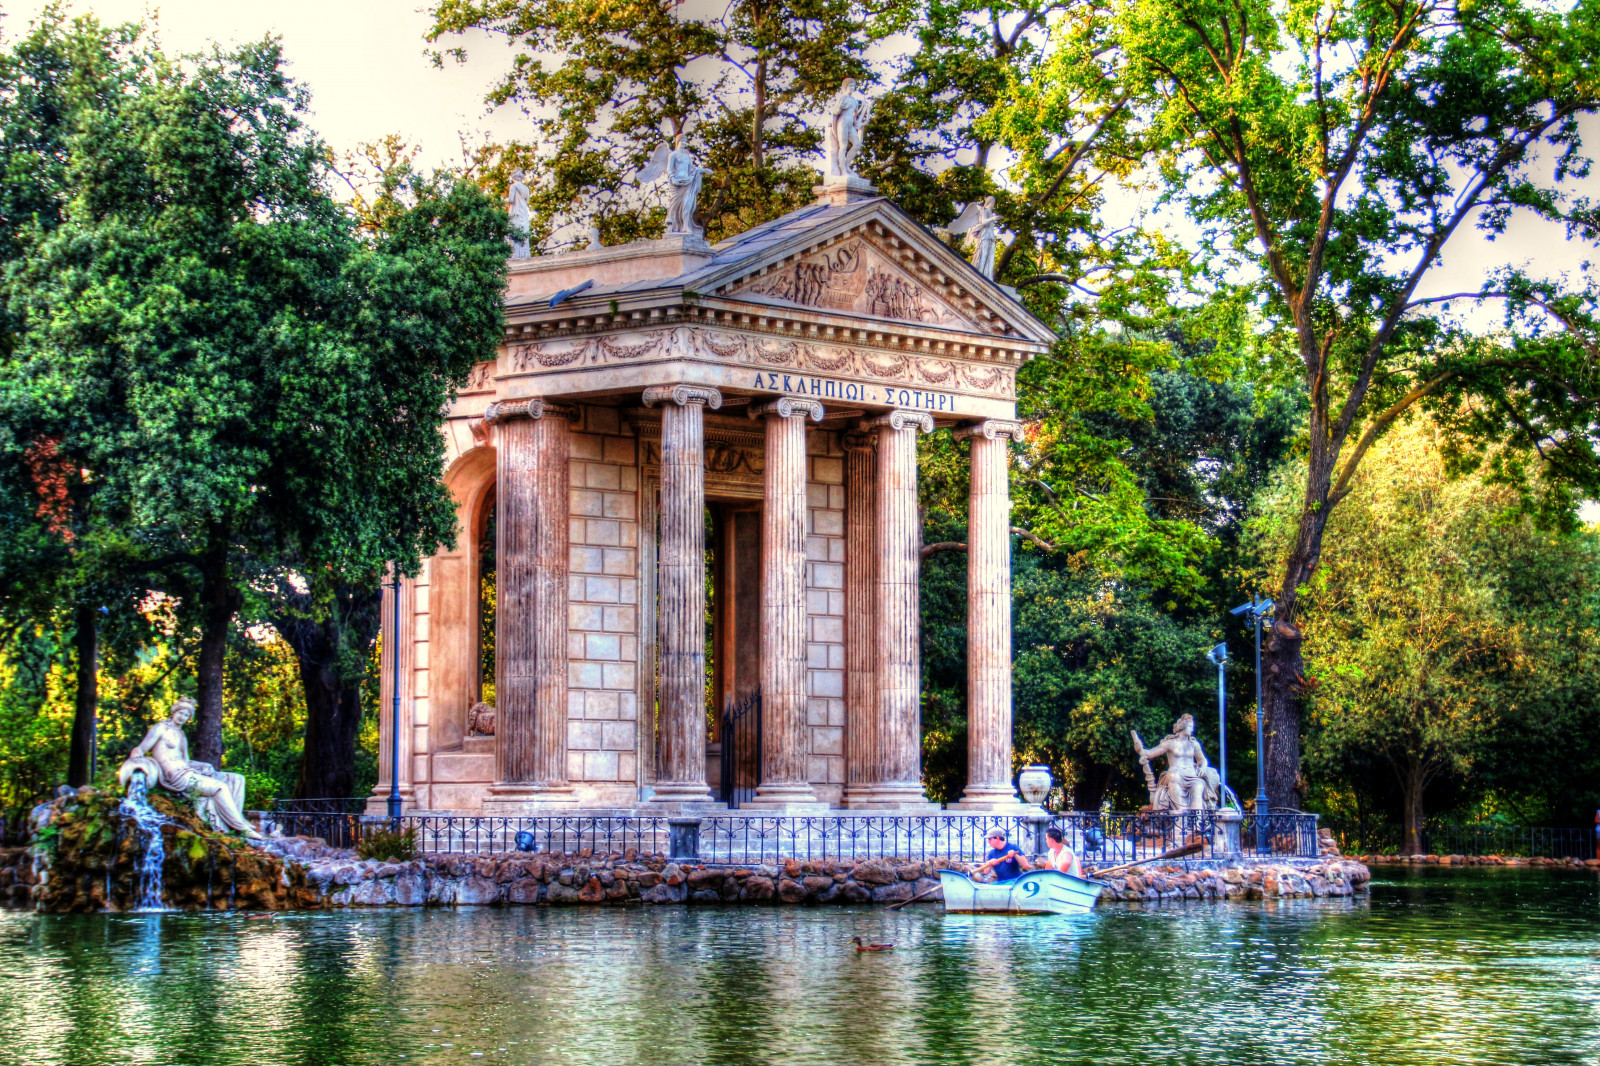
{"x": 788, "y": 407}
{"x": 683, "y": 395}
{"x": 992, "y": 429}
{"x": 921, "y": 421}
{"x": 532, "y": 407}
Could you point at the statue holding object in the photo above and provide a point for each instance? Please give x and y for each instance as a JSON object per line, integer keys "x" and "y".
{"x": 163, "y": 757}
{"x": 684, "y": 175}
{"x": 848, "y": 112}
{"x": 983, "y": 222}
{"x": 1189, "y": 782}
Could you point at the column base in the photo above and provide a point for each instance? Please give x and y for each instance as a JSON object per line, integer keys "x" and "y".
{"x": 995, "y": 799}
{"x": 509, "y": 800}
{"x": 890, "y": 796}
{"x": 787, "y": 798}
{"x": 677, "y": 793}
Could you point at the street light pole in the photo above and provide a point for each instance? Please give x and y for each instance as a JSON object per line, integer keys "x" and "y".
{"x": 1258, "y": 610}
{"x": 394, "y": 728}
{"x": 1219, "y": 655}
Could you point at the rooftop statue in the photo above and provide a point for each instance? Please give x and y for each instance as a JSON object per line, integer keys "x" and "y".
{"x": 163, "y": 757}
{"x": 1189, "y": 783}
{"x": 848, "y": 112}
{"x": 684, "y": 175}
{"x": 517, "y": 208}
{"x": 983, "y": 222}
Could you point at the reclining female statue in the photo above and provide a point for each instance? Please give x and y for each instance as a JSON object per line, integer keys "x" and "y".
{"x": 163, "y": 757}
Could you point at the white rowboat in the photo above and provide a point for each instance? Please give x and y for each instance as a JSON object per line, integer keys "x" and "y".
{"x": 1035, "y": 892}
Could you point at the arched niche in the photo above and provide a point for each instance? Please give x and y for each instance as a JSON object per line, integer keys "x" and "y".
{"x": 453, "y": 611}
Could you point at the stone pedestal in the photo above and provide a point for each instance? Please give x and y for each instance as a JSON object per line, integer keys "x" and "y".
{"x": 531, "y": 450}
{"x": 989, "y": 621}
{"x": 681, "y": 773}
{"x": 783, "y": 605}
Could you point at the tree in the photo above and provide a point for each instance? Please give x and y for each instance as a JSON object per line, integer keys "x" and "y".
{"x": 1340, "y": 152}
{"x": 608, "y": 82}
{"x": 1420, "y": 654}
{"x": 253, "y": 382}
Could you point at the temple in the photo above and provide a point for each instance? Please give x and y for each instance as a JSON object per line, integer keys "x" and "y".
{"x": 686, "y": 573}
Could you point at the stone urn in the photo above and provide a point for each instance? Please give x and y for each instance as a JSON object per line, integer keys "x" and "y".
{"x": 1034, "y": 784}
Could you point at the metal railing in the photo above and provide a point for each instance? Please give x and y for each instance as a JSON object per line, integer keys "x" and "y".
{"x": 1509, "y": 841}
{"x": 1101, "y": 838}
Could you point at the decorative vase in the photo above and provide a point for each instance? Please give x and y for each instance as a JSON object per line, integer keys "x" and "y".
{"x": 1034, "y": 784}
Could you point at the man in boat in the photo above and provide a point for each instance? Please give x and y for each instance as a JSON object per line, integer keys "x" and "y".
{"x": 1007, "y": 862}
{"x": 1060, "y": 857}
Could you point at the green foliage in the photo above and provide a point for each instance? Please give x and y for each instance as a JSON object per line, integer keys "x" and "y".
{"x": 388, "y": 845}
{"x": 1454, "y": 646}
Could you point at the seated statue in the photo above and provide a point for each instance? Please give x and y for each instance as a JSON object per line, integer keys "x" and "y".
{"x": 163, "y": 757}
{"x": 1189, "y": 783}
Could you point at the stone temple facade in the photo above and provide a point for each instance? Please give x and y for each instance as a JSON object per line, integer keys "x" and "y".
{"x": 692, "y": 472}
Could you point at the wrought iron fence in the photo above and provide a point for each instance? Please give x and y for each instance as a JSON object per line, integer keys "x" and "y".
{"x": 1510, "y": 841}
{"x": 741, "y": 749}
{"x": 1102, "y": 838}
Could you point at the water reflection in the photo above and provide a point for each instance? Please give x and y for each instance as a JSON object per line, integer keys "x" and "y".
{"x": 1466, "y": 966}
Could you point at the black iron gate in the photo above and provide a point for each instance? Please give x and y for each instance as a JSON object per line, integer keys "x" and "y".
{"x": 741, "y": 748}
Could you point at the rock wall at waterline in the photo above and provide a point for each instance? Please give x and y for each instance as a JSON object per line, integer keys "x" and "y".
{"x": 87, "y": 855}
{"x": 622, "y": 878}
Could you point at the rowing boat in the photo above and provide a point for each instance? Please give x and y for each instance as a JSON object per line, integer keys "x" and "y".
{"x": 1035, "y": 892}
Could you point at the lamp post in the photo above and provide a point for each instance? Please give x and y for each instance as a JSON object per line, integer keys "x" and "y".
{"x": 1259, "y": 609}
{"x": 1219, "y": 655}
{"x": 394, "y": 728}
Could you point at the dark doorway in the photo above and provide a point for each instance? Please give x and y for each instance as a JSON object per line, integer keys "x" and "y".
{"x": 736, "y": 645}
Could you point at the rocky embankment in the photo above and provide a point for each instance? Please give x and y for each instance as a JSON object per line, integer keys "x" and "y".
{"x": 628, "y": 877}
{"x": 1476, "y": 860}
{"x": 1326, "y": 877}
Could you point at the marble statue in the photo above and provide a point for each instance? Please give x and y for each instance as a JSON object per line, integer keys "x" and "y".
{"x": 983, "y": 222}
{"x": 1189, "y": 782}
{"x": 517, "y": 208}
{"x": 480, "y": 720}
{"x": 848, "y": 112}
{"x": 684, "y": 175}
{"x": 163, "y": 757}
{"x": 593, "y": 226}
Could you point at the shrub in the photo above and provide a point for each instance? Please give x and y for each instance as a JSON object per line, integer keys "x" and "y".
{"x": 387, "y": 845}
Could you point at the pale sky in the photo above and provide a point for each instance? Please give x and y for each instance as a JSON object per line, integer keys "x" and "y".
{"x": 365, "y": 63}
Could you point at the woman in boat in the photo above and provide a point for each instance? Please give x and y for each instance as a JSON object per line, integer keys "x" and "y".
{"x": 1060, "y": 857}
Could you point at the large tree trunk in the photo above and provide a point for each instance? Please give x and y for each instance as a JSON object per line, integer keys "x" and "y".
{"x": 332, "y": 652}
{"x": 216, "y": 616}
{"x": 80, "y": 757}
{"x": 1412, "y": 783}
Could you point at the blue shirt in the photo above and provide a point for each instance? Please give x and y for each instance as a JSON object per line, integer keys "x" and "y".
{"x": 1011, "y": 868}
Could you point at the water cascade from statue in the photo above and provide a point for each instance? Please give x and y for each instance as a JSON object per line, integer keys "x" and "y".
{"x": 153, "y": 853}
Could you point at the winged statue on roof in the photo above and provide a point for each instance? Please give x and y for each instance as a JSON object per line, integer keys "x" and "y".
{"x": 983, "y": 222}
{"x": 684, "y": 175}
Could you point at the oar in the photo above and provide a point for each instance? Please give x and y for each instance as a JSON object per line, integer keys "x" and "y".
{"x": 913, "y": 899}
{"x": 1175, "y": 853}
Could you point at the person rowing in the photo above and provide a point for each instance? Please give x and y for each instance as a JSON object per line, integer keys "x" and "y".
{"x": 1060, "y": 857}
{"x": 1004, "y": 859}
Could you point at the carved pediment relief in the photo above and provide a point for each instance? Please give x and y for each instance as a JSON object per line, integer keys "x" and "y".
{"x": 856, "y": 277}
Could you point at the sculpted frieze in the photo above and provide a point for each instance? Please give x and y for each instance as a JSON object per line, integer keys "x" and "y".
{"x": 856, "y": 277}
{"x": 752, "y": 350}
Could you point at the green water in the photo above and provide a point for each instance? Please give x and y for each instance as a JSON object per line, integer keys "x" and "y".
{"x": 1491, "y": 966}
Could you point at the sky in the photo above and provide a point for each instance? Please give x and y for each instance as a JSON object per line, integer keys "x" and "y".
{"x": 366, "y": 64}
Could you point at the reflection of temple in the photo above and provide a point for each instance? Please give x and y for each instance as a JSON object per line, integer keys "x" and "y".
{"x": 692, "y": 473}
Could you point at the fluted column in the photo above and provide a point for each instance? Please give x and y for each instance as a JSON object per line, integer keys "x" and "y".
{"x": 860, "y": 619}
{"x": 681, "y": 771}
{"x": 989, "y": 619}
{"x": 784, "y": 746}
{"x": 532, "y": 442}
{"x": 897, "y": 762}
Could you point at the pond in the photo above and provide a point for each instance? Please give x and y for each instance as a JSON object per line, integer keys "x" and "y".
{"x": 1480, "y": 965}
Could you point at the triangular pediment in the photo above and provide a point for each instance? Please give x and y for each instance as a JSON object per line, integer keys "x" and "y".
{"x": 873, "y": 261}
{"x": 854, "y": 276}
